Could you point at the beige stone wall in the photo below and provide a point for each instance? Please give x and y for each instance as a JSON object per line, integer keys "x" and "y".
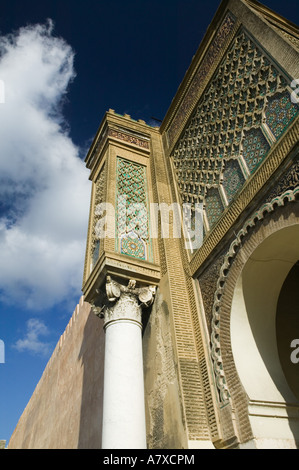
{"x": 65, "y": 410}
{"x": 164, "y": 414}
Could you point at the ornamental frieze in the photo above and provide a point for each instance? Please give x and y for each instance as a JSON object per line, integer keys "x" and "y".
{"x": 131, "y": 139}
{"x": 198, "y": 80}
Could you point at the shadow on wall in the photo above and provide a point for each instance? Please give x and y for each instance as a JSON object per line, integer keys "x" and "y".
{"x": 92, "y": 358}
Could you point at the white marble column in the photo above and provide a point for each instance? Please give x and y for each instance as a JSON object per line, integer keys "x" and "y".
{"x": 123, "y": 406}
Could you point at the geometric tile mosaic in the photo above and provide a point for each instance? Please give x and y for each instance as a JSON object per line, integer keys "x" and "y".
{"x": 255, "y": 148}
{"x": 132, "y": 211}
{"x": 99, "y": 198}
{"x": 280, "y": 112}
{"x": 132, "y": 245}
{"x": 246, "y": 87}
{"x": 214, "y": 206}
{"x": 233, "y": 179}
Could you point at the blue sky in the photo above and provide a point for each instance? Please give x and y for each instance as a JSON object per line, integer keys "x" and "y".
{"x": 63, "y": 64}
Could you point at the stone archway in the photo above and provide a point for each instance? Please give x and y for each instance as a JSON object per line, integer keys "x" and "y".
{"x": 273, "y": 407}
{"x": 240, "y": 276}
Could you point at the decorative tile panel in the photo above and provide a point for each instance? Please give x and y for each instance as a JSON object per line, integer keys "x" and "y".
{"x": 132, "y": 209}
{"x": 255, "y": 148}
{"x": 132, "y": 245}
{"x": 214, "y": 206}
{"x": 99, "y": 198}
{"x": 228, "y": 123}
{"x": 280, "y": 112}
{"x": 233, "y": 179}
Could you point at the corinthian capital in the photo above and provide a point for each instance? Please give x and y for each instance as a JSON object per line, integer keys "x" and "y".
{"x": 145, "y": 294}
{"x": 123, "y": 302}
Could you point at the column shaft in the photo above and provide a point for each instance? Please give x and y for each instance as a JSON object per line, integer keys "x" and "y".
{"x": 123, "y": 407}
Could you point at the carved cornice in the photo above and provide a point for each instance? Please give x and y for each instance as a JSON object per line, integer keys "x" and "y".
{"x": 200, "y": 77}
{"x": 273, "y": 17}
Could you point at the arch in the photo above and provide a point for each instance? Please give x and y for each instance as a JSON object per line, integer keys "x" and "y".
{"x": 272, "y": 404}
{"x": 226, "y": 273}
{"x": 253, "y": 317}
{"x": 230, "y": 295}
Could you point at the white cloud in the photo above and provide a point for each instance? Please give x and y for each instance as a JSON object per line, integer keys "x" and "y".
{"x": 31, "y": 341}
{"x": 44, "y": 187}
